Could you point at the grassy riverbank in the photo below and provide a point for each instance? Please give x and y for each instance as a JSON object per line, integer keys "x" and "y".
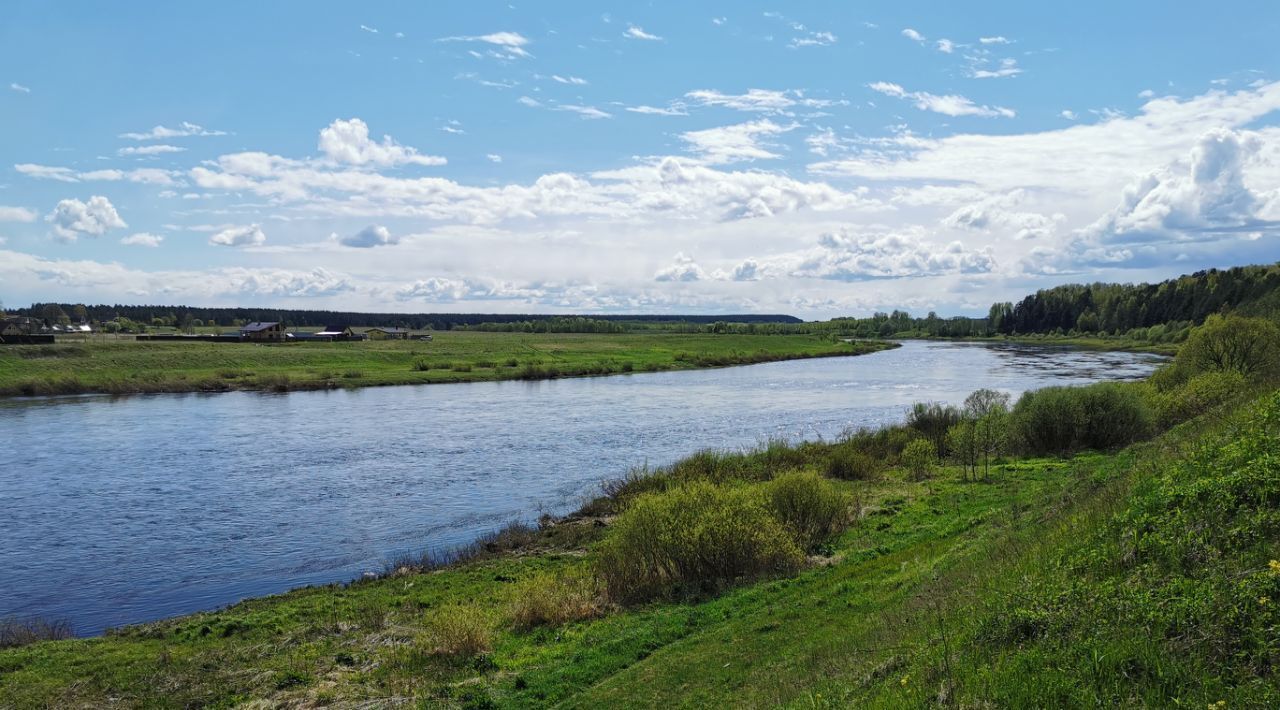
{"x": 125, "y": 366}
{"x": 1138, "y": 578}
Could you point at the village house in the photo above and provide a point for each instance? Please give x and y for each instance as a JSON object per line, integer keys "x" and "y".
{"x": 335, "y": 332}
{"x": 264, "y": 332}
{"x": 388, "y": 333}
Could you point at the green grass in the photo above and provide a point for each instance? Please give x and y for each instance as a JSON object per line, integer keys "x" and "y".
{"x": 124, "y": 366}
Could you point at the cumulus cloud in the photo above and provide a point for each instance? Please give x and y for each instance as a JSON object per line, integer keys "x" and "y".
{"x": 731, "y": 144}
{"x": 813, "y": 39}
{"x": 72, "y": 218}
{"x": 247, "y": 236}
{"x": 441, "y": 290}
{"x": 1000, "y": 214}
{"x": 493, "y": 157}
{"x": 948, "y": 105}
{"x": 17, "y": 214}
{"x": 913, "y": 35}
{"x": 1200, "y": 196}
{"x": 946, "y": 46}
{"x": 635, "y": 32}
{"x": 375, "y": 235}
{"x": 142, "y": 239}
{"x": 347, "y": 141}
{"x": 846, "y": 255}
{"x": 184, "y": 129}
{"x": 684, "y": 269}
{"x": 574, "y": 80}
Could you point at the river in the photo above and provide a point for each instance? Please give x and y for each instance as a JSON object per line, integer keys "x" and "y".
{"x": 129, "y": 509}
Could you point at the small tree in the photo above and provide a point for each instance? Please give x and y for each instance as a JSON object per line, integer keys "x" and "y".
{"x": 988, "y": 409}
{"x": 919, "y": 457}
{"x": 962, "y": 443}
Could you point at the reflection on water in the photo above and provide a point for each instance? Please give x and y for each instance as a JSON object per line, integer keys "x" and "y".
{"x": 121, "y": 510}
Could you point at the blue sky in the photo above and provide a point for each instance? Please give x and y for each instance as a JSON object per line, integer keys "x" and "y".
{"x": 818, "y": 159}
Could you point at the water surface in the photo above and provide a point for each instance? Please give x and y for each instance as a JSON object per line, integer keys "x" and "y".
{"x": 122, "y": 510}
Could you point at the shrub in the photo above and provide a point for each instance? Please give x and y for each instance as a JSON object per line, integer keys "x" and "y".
{"x": 15, "y": 632}
{"x": 694, "y": 537}
{"x": 1059, "y": 420}
{"x": 933, "y": 419}
{"x": 421, "y": 366}
{"x": 850, "y": 464}
{"x": 1249, "y": 346}
{"x": 962, "y": 443}
{"x": 811, "y": 508}
{"x": 460, "y": 630}
{"x": 511, "y": 362}
{"x": 1196, "y": 396}
{"x": 553, "y": 600}
{"x": 353, "y": 374}
{"x": 919, "y": 457}
{"x": 461, "y": 367}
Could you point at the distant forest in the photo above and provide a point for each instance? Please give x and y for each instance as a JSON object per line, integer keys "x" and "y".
{"x": 232, "y": 317}
{"x": 1161, "y": 311}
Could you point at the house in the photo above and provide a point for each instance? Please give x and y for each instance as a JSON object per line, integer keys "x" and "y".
{"x": 264, "y": 332}
{"x": 388, "y": 333}
{"x": 335, "y": 332}
{"x": 13, "y": 326}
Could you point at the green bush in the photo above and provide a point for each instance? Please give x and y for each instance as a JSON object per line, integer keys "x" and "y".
{"x": 459, "y": 630}
{"x": 693, "y": 538}
{"x": 1060, "y": 420}
{"x": 850, "y": 464}
{"x": 1196, "y": 396}
{"x": 812, "y": 509}
{"x": 933, "y": 419}
{"x": 920, "y": 457}
{"x": 1249, "y": 346}
{"x": 555, "y": 599}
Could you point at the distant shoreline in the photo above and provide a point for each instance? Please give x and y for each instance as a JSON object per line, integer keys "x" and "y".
{"x": 126, "y": 367}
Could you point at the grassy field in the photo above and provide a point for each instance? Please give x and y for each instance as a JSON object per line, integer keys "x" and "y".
{"x": 1134, "y": 579}
{"x": 125, "y": 366}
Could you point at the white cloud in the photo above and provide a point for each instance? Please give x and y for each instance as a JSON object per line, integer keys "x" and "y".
{"x": 1201, "y": 196}
{"x": 949, "y": 105}
{"x": 684, "y": 269}
{"x": 17, "y": 214}
{"x": 586, "y": 112}
{"x": 149, "y": 176}
{"x": 142, "y": 239}
{"x": 719, "y": 20}
{"x": 1008, "y": 67}
{"x": 72, "y": 218}
{"x": 1146, "y": 94}
{"x": 674, "y": 110}
{"x": 493, "y": 157}
{"x": 512, "y": 44}
{"x": 366, "y": 28}
{"x": 913, "y": 35}
{"x": 846, "y": 255}
{"x": 15, "y": 86}
{"x": 155, "y": 149}
{"x": 247, "y": 236}
{"x": 375, "y": 235}
{"x": 574, "y": 80}
{"x": 1069, "y": 114}
{"x": 348, "y": 142}
{"x": 999, "y": 214}
{"x": 635, "y": 32}
{"x": 184, "y": 129}
{"x": 529, "y": 101}
{"x": 994, "y": 40}
{"x": 946, "y": 46}
{"x": 761, "y": 100}
{"x": 730, "y": 144}
{"x": 813, "y": 39}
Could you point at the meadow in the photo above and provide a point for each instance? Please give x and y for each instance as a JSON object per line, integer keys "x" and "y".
{"x": 120, "y": 366}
